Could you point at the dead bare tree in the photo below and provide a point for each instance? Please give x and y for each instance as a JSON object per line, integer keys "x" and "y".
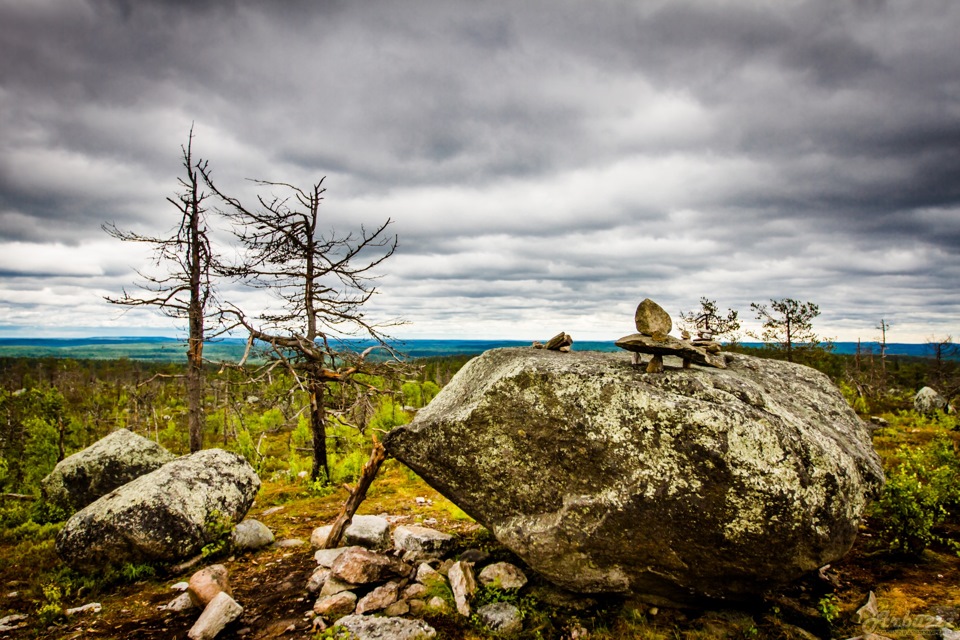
{"x": 322, "y": 281}
{"x": 187, "y": 290}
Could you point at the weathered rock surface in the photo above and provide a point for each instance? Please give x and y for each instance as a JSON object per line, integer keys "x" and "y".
{"x": 673, "y": 487}
{"x": 164, "y": 516}
{"x": 373, "y": 628}
{"x": 108, "y": 463}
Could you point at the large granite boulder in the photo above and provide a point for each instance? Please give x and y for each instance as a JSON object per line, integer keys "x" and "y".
{"x": 164, "y": 516}
{"x": 674, "y": 486}
{"x": 108, "y": 463}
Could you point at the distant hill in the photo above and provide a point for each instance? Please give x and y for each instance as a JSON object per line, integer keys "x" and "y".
{"x": 231, "y": 349}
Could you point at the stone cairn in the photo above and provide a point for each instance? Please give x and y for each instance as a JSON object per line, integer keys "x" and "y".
{"x": 653, "y": 337}
{"x": 561, "y": 342}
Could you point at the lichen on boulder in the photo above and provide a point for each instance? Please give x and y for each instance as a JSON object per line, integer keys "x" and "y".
{"x": 674, "y": 487}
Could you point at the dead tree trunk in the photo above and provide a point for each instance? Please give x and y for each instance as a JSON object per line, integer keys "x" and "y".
{"x": 357, "y": 495}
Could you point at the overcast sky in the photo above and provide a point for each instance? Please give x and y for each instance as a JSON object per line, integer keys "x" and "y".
{"x": 547, "y": 164}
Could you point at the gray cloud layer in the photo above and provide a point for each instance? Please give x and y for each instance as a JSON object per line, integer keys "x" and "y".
{"x": 547, "y": 164}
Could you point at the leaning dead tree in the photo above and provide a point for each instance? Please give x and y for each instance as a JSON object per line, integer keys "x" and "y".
{"x": 186, "y": 290}
{"x": 322, "y": 281}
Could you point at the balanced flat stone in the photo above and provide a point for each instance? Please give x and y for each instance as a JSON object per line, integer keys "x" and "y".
{"x": 670, "y": 346}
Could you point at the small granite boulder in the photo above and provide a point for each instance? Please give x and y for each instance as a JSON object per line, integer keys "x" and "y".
{"x": 501, "y": 618}
{"x": 362, "y": 566}
{"x": 374, "y": 628}
{"x": 107, "y": 464}
{"x": 502, "y": 575}
{"x": 420, "y": 544}
{"x": 251, "y": 534}
{"x": 929, "y": 401}
{"x": 372, "y": 532}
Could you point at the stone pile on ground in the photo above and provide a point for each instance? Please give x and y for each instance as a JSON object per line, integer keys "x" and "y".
{"x": 561, "y": 342}
{"x": 408, "y": 577}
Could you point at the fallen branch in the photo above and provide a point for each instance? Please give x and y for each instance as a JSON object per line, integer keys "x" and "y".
{"x": 18, "y": 496}
{"x": 357, "y": 495}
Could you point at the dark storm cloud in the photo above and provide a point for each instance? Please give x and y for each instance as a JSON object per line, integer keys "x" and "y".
{"x": 561, "y": 158}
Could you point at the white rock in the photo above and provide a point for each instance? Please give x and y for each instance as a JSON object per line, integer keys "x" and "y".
{"x": 372, "y": 532}
{"x": 419, "y": 544}
{"x": 501, "y": 618}
{"x": 93, "y": 607}
{"x": 251, "y": 534}
{"x": 463, "y": 585}
{"x": 317, "y": 579}
{"x": 336, "y": 606}
{"x": 376, "y": 628}
{"x": 503, "y": 575}
{"x": 380, "y": 598}
{"x": 221, "y": 611}
{"x": 182, "y": 602}
{"x": 319, "y": 536}
{"x": 326, "y": 557}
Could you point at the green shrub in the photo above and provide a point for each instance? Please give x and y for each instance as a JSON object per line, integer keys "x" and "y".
{"x": 920, "y": 492}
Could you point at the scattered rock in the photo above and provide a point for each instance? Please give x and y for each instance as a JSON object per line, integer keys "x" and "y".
{"x": 929, "y": 401}
{"x": 651, "y": 319}
{"x": 559, "y": 342}
{"x": 438, "y": 605}
{"x": 12, "y": 622}
{"x": 164, "y": 516}
{"x": 463, "y": 585}
{"x": 290, "y": 543}
{"x": 93, "y": 607}
{"x": 362, "y": 566}
{"x": 426, "y": 574}
{"x": 398, "y": 608}
{"x": 180, "y": 586}
{"x": 221, "y": 611}
{"x": 332, "y": 586}
{"x": 326, "y": 557}
{"x": 207, "y": 583}
{"x": 318, "y": 538}
{"x": 374, "y": 628}
{"x": 380, "y": 598}
{"x": 503, "y": 575}
{"x": 250, "y": 535}
{"x": 415, "y": 591}
{"x": 420, "y": 544}
{"x": 949, "y": 634}
{"x": 107, "y": 464}
{"x": 372, "y": 532}
{"x": 337, "y": 605}
{"x": 501, "y": 617}
{"x": 182, "y": 602}
{"x": 317, "y": 579}
{"x": 684, "y": 480}
{"x": 868, "y": 610}
{"x": 474, "y": 556}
